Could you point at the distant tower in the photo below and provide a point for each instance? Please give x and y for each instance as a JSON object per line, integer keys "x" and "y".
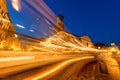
{"x": 59, "y": 25}
{"x": 112, "y": 43}
{"x": 61, "y": 17}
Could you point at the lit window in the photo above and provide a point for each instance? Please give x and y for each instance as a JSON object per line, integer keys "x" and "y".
{"x": 1, "y": 12}
{"x": 1, "y": 23}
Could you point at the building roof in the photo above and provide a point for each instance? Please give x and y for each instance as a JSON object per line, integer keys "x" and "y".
{"x": 85, "y": 38}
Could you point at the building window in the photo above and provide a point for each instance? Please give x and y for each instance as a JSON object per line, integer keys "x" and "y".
{"x": 5, "y": 15}
{"x": 87, "y": 44}
{"x": 1, "y": 12}
{"x": 1, "y": 23}
{"x": 0, "y": 8}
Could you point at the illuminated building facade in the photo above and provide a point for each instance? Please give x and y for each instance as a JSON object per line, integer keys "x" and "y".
{"x": 112, "y": 43}
{"x": 85, "y": 40}
{"x": 8, "y": 35}
{"x": 4, "y": 20}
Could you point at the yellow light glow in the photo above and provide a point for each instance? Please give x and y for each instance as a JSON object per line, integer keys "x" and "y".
{"x": 113, "y": 49}
{"x": 118, "y": 52}
{"x": 16, "y": 49}
{"x": 99, "y": 47}
{"x": 16, "y": 35}
{"x": 1, "y": 46}
{"x": 48, "y": 41}
{"x": 13, "y": 46}
{"x": 45, "y": 49}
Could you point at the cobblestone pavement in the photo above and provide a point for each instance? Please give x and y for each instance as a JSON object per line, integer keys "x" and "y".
{"x": 92, "y": 72}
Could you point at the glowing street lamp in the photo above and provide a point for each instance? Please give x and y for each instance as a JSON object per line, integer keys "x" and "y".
{"x": 16, "y": 36}
{"x": 48, "y": 41}
{"x": 113, "y": 50}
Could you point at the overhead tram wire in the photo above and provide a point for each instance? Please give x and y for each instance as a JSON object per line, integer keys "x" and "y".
{"x": 67, "y": 18}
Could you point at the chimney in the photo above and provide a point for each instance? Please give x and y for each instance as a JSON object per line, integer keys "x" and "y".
{"x": 61, "y": 17}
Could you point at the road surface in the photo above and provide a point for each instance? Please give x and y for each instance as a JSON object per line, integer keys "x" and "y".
{"x": 48, "y": 71}
{"x": 36, "y": 66}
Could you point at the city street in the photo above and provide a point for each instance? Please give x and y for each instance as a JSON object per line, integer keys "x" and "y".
{"x": 44, "y": 66}
{"x": 47, "y": 71}
{"x": 59, "y": 40}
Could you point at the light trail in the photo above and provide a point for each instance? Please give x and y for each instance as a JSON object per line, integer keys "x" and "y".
{"x": 42, "y": 8}
{"x": 16, "y": 4}
{"x": 64, "y": 46}
{"x": 45, "y": 49}
{"x": 71, "y": 43}
{"x": 51, "y": 45}
{"x": 16, "y": 58}
{"x": 31, "y": 30}
{"x": 20, "y": 26}
{"x": 55, "y": 68}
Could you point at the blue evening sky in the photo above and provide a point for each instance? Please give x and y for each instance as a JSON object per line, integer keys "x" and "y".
{"x": 99, "y": 19}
